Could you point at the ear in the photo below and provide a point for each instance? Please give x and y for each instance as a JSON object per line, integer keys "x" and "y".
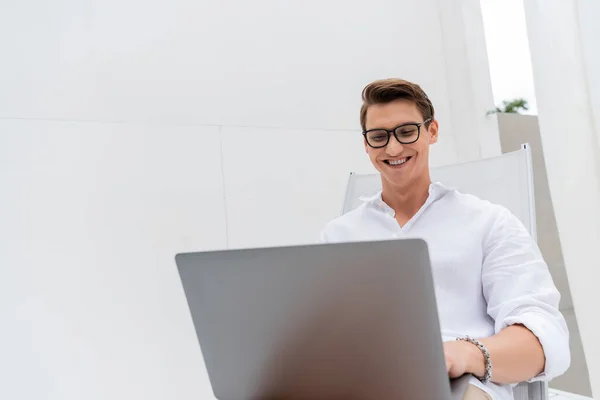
{"x": 366, "y": 145}
{"x": 433, "y": 131}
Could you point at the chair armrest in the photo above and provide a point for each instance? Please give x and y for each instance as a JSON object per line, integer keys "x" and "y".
{"x": 531, "y": 391}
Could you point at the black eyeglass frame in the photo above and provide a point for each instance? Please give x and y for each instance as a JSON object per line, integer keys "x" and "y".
{"x": 393, "y": 131}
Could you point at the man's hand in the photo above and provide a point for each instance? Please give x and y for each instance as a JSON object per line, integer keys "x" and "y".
{"x": 463, "y": 358}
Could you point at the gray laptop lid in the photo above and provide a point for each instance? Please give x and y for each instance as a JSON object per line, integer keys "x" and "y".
{"x": 335, "y": 321}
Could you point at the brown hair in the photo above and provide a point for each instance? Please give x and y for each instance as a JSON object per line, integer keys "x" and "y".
{"x": 387, "y": 90}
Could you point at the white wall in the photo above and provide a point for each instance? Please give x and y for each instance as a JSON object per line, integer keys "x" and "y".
{"x": 566, "y": 65}
{"x": 92, "y": 215}
{"x": 132, "y": 130}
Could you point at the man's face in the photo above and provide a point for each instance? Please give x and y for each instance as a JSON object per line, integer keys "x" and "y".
{"x": 416, "y": 155}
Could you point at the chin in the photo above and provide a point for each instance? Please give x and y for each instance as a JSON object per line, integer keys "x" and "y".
{"x": 395, "y": 180}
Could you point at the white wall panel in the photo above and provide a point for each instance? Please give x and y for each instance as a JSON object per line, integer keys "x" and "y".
{"x": 266, "y": 63}
{"x": 469, "y": 93}
{"x": 588, "y": 12}
{"x": 284, "y": 185}
{"x": 91, "y": 218}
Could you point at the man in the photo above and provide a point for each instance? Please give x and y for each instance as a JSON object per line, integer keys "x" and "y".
{"x": 497, "y": 302}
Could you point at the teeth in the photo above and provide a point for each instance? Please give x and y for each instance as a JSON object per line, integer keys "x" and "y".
{"x": 397, "y": 162}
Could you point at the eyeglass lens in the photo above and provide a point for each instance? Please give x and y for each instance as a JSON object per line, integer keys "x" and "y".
{"x": 404, "y": 134}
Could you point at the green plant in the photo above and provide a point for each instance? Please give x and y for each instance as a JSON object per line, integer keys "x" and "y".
{"x": 514, "y": 106}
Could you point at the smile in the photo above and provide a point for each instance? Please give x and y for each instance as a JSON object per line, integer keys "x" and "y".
{"x": 397, "y": 163}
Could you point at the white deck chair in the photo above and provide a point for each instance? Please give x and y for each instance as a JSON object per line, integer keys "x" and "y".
{"x": 506, "y": 180}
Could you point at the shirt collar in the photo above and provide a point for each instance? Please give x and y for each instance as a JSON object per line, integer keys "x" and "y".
{"x": 436, "y": 191}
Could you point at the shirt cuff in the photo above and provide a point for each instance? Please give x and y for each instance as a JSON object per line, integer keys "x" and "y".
{"x": 553, "y": 335}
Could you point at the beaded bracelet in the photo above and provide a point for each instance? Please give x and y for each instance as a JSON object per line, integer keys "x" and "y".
{"x": 487, "y": 377}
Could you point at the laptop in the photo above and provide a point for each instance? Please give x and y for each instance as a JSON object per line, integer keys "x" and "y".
{"x": 344, "y": 321}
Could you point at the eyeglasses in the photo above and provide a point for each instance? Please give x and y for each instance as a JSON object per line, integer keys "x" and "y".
{"x": 405, "y": 134}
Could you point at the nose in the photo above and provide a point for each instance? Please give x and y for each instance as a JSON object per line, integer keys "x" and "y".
{"x": 394, "y": 147}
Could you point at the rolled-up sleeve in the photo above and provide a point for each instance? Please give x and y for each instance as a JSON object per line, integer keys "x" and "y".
{"x": 519, "y": 289}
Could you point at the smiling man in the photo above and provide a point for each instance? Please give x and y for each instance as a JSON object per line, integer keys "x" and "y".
{"x": 497, "y": 302}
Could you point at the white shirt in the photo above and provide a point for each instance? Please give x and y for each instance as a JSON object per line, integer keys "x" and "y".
{"x": 487, "y": 269}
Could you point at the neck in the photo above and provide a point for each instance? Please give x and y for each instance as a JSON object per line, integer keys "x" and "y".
{"x": 406, "y": 200}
